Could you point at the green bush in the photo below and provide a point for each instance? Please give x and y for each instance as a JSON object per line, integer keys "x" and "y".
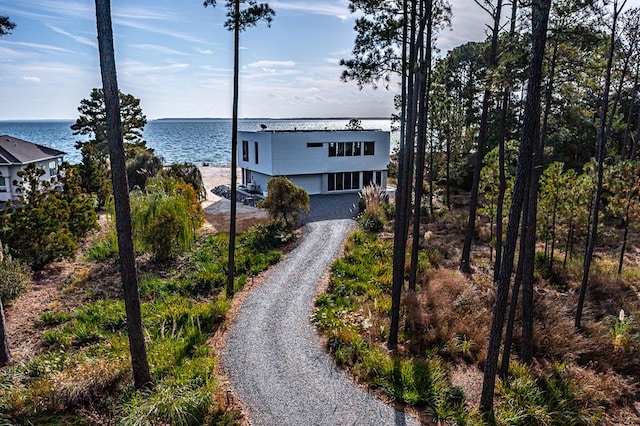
{"x": 371, "y": 223}
{"x": 165, "y": 217}
{"x": 14, "y": 279}
{"x": 285, "y": 200}
{"x": 189, "y": 173}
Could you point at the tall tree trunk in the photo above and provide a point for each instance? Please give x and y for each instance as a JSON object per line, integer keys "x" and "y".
{"x": 634, "y": 93}
{"x": 403, "y": 190}
{"x": 5, "y": 353}
{"x": 139, "y": 362}
{"x": 465, "y": 260}
{"x": 540, "y": 18}
{"x": 502, "y": 136}
{"x": 231, "y": 266}
{"x": 517, "y": 284}
{"x": 424, "y": 78}
{"x": 625, "y": 236}
{"x": 603, "y": 134}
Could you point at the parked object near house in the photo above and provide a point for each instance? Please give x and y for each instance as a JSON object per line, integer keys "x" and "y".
{"x": 15, "y": 155}
{"x": 321, "y": 162}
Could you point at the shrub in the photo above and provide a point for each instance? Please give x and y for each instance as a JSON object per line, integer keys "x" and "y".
{"x": 371, "y": 223}
{"x": 189, "y": 173}
{"x": 165, "y": 217}
{"x": 14, "y": 279}
{"x": 285, "y": 200}
{"x": 140, "y": 168}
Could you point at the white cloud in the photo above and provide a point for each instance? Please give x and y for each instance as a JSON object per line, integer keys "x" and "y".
{"x": 32, "y": 79}
{"x": 204, "y": 51}
{"x": 158, "y": 30}
{"x": 269, "y": 64}
{"x": 135, "y": 67}
{"x": 333, "y": 61}
{"x": 6, "y": 53}
{"x": 339, "y": 9}
{"x": 158, "y": 48}
{"x": 35, "y": 46}
{"x": 79, "y": 39}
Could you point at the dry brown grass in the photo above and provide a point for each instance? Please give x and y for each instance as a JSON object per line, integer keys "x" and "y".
{"x": 450, "y": 311}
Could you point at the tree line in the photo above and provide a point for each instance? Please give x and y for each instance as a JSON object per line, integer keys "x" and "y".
{"x": 540, "y": 122}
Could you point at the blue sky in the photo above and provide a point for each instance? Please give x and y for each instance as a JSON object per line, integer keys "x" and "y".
{"x": 176, "y": 57}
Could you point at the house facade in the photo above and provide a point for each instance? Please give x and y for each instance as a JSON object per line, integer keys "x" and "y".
{"x": 321, "y": 162}
{"x": 15, "y": 155}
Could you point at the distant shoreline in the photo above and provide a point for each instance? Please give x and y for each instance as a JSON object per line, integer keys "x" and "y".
{"x": 27, "y": 120}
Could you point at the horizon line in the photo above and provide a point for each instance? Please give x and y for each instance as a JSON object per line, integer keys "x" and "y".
{"x": 209, "y": 118}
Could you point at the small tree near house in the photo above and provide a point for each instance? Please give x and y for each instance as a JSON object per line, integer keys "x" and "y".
{"x": 285, "y": 200}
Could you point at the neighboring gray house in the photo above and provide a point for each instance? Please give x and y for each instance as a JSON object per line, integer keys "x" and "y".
{"x": 321, "y": 162}
{"x": 15, "y": 155}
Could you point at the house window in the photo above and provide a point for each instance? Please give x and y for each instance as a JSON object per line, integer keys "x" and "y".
{"x": 369, "y": 178}
{"x": 255, "y": 146}
{"x": 3, "y": 184}
{"x": 52, "y": 166}
{"x": 333, "y": 149}
{"x": 357, "y": 148}
{"x": 369, "y": 148}
{"x": 343, "y": 181}
{"x": 245, "y": 150}
{"x": 314, "y": 144}
{"x": 344, "y": 149}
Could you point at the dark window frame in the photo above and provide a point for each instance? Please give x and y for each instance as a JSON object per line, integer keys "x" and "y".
{"x": 255, "y": 146}
{"x": 369, "y": 148}
{"x": 245, "y": 150}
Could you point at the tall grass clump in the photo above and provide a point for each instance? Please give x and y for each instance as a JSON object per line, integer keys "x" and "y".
{"x": 550, "y": 398}
{"x": 372, "y": 200}
{"x": 165, "y": 217}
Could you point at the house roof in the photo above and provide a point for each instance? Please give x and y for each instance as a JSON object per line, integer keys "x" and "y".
{"x": 18, "y": 151}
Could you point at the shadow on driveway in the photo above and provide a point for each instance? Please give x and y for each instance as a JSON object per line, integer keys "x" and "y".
{"x": 331, "y": 207}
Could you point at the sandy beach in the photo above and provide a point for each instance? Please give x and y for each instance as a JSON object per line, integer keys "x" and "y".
{"x": 217, "y": 209}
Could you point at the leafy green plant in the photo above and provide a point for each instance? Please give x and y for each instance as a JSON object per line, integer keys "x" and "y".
{"x": 54, "y": 318}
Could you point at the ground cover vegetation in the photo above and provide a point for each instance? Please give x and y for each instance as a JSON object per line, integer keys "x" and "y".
{"x": 82, "y": 370}
{"x": 508, "y": 259}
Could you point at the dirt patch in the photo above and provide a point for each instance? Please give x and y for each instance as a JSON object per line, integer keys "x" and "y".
{"x": 217, "y": 210}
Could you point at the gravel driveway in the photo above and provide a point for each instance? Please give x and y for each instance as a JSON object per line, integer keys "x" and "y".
{"x": 274, "y": 357}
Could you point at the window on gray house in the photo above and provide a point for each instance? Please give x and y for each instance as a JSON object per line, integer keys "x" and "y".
{"x": 369, "y": 148}
{"x": 245, "y": 150}
{"x": 255, "y": 146}
{"x": 314, "y": 144}
{"x": 357, "y": 148}
{"x": 3, "y": 184}
{"x": 332, "y": 149}
{"x": 370, "y": 177}
{"x": 343, "y": 181}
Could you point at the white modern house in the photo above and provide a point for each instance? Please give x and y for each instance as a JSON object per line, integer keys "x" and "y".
{"x": 321, "y": 162}
{"x": 15, "y": 155}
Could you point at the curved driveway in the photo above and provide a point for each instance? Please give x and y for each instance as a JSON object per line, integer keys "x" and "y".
{"x": 274, "y": 357}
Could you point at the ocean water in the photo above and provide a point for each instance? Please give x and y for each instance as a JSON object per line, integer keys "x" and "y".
{"x": 196, "y": 141}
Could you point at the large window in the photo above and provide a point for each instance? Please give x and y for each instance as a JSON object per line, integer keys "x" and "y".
{"x": 370, "y": 177}
{"x": 245, "y": 150}
{"x": 344, "y": 149}
{"x": 369, "y": 148}
{"x": 3, "y": 184}
{"x": 343, "y": 181}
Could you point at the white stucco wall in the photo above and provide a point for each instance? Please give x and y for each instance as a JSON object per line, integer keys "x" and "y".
{"x": 288, "y": 154}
